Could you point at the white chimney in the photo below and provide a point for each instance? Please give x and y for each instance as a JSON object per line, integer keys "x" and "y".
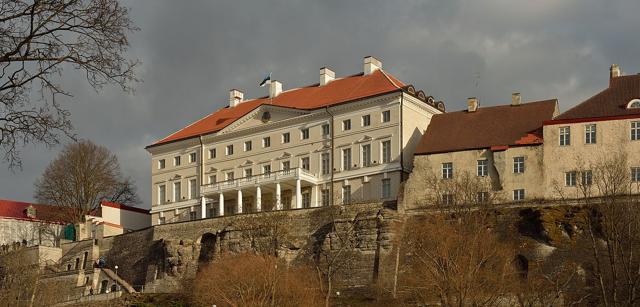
{"x": 371, "y": 64}
{"x": 516, "y": 99}
{"x": 472, "y": 104}
{"x": 326, "y": 75}
{"x": 275, "y": 88}
{"x": 235, "y": 97}
{"x": 614, "y": 72}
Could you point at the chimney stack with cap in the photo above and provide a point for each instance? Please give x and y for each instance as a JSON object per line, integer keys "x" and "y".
{"x": 614, "y": 72}
{"x": 371, "y": 64}
{"x": 275, "y": 88}
{"x": 326, "y": 75}
{"x": 472, "y": 104}
{"x": 516, "y": 99}
{"x": 235, "y": 97}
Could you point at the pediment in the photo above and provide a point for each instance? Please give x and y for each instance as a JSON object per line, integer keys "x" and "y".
{"x": 262, "y": 115}
{"x": 363, "y": 139}
{"x": 284, "y": 155}
{"x": 246, "y": 163}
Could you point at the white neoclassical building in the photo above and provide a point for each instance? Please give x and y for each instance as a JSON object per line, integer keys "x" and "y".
{"x": 340, "y": 141}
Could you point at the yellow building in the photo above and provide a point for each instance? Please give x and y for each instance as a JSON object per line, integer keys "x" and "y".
{"x": 340, "y": 141}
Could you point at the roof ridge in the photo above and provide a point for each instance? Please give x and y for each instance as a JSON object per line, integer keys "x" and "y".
{"x": 388, "y": 78}
{"x": 506, "y": 105}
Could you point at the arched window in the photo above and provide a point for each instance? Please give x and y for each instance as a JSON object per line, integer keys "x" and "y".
{"x": 634, "y": 104}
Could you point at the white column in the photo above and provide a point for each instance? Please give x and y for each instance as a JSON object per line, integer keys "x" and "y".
{"x": 298, "y": 195}
{"x": 278, "y": 202}
{"x": 239, "y": 201}
{"x": 221, "y": 204}
{"x": 258, "y": 199}
{"x": 315, "y": 196}
{"x": 203, "y": 207}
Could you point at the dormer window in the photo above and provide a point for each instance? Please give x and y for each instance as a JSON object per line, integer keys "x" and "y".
{"x": 634, "y": 104}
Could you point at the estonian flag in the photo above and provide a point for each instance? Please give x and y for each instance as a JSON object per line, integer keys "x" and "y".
{"x": 267, "y": 80}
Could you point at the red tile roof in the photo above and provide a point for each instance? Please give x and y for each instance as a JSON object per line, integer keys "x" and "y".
{"x": 487, "y": 127}
{"x": 611, "y": 102}
{"x": 18, "y": 210}
{"x": 306, "y": 98}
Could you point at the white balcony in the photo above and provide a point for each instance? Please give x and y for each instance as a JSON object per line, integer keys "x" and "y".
{"x": 258, "y": 180}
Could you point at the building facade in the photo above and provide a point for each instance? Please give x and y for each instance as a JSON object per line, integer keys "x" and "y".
{"x": 581, "y": 153}
{"x": 482, "y": 154}
{"x": 581, "y": 140}
{"x": 340, "y": 141}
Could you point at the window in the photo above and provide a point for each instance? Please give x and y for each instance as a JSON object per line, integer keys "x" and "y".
{"x": 326, "y": 165}
{"x": 304, "y": 133}
{"x": 518, "y": 194}
{"x": 587, "y": 178}
{"x": 386, "y": 151}
{"x": 570, "y": 179}
{"x": 213, "y": 178}
{"x": 346, "y": 124}
{"x": 482, "y": 197}
{"x": 565, "y": 136}
{"x": 366, "y": 155}
{"x": 161, "y": 220}
{"x": 192, "y": 215}
{"x": 447, "y": 199}
{"x": 266, "y": 142}
{"x": 386, "y": 116}
{"x": 306, "y": 200}
{"x": 212, "y": 153}
{"x": 229, "y": 176}
{"x": 518, "y": 165}
{"x": 386, "y": 188}
{"x": 633, "y": 104}
{"x": 590, "y": 134}
{"x": 192, "y": 157}
{"x": 304, "y": 162}
{"x": 325, "y": 197}
{"x": 346, "y": 159}
{"x": 176, "y": 161}
{"x": 248, "y": 172}
{"x": 286, "y": 166}
{"x": 366, "y": 120}
{"x": 635, "y": 131}
{"x": 325, "y": 130}
{"x": 211, "y": 211}
{"x": 229, "y": 150}
{"x": 193, "y": 189}
{"x": 177, "y": 191}
{"x": 635, "y": 174}
{"x": 266, "y": 169}
{"x": 447, "y": 170}
{"x": 162, "y": 194}
{"x": 247, "y": 146}
{"x": 161, "y": 164}
{"x": 286, "y": 137}
{"x": 346, "y": 194}
{"x": 483, "y": 169}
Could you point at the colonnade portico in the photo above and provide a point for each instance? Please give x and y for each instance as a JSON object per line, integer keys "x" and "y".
{"x": 249, "y": 192}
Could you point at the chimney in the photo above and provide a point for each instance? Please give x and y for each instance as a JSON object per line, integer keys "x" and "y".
{"x": 275, "y": 88}
{"x": 371, "y": 64}
{"x": 326, "y": 75}
{"x": 614, "y": 72}
{"x": 472, "y": 104}
{"x": 235, "y": 97}
{"x": 516, "y": 99}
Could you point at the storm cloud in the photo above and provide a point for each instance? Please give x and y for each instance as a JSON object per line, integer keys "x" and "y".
{"x": 193, "y": 52}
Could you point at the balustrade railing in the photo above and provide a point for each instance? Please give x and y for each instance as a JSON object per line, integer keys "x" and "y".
{"x": 293, "y": 173}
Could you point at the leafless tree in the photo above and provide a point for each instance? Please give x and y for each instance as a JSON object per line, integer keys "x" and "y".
{"x": 609, "y": 250}
{"x": 80, "y": 177}
{"x": 336, "y": 250}
{"x": 254, "y": 280}
{"x": 38, "y": 40}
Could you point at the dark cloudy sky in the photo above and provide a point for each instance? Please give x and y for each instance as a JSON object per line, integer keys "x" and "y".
{"x": 193, "y": 52}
